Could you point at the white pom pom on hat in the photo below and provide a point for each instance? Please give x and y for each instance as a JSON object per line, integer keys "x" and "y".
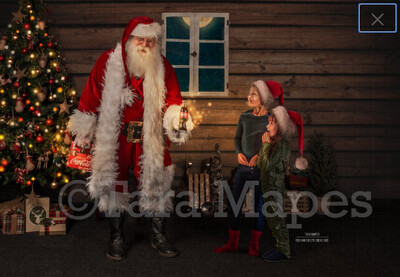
{"x": 288, "y": 122}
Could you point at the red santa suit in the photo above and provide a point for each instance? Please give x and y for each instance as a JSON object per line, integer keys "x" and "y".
{"x": 110, "y": 100}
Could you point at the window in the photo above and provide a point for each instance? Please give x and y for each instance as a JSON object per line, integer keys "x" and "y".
{"x": 196, "y": 44}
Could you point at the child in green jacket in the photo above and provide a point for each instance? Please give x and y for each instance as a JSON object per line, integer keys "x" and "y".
{"x": 273, "y": 162}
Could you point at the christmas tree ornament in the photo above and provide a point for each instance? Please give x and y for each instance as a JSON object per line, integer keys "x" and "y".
{"x": 20, "y": 74}
{"x": 16, "y": 84}
{"x": 4, "y": 81}
{"x": 51, "y": 81}
{"x": 67, "y": 138}
{"x": 20, "y": 175}
{"x": 2, "y": 145}
{"x": 13, "y": 122}
{"x": 42, "y": 61}
{"x": 2, "y": 120}
{"x": 41, "y": 24}
{"x": 27, "y": 26}
{"x": 57, "y": 160}
{"x": 17, "y": 147}
{"x": 2, "y": 43}
{"x": 39, "y": 139}
{"x": 18, "y": 16}
{"x": 32, "y": 197}
{"x": 54, "y": 185}
{"x": 49, "y": 122}
{"x": 64, "y": 107}
{"x": 24, "y": 51}
{"x": 2, "y": 169}
{"x": 29, "y": 165}
{"x": 1, "y": 58}
{"x": 4, "y": 162}
{"x": 50, "y": 44}
{"x": 19, "y": 105}
{"x": 41, "y": 95}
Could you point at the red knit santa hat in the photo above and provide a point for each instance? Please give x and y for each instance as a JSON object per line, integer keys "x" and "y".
{"x": 269, "y": 90}
{"x": 288, "y": 122}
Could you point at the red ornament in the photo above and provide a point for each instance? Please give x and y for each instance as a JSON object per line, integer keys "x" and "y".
{"x": 27, "y": 26}
{"x": 28, "y": 183}
{"x": 20, "y": 119}
{"x": 2, "y": 145}
{"x": 17, "y": 147}
{"x": 32, "y": 108}
{"x": 49, "y": 122}
{"x": 50, "y": 44}
{"x": 40, "y": 44}
{"x": 28, "y": 102}
{"x": 51, "y": 81}
{"x": 16, "y": 84}
{"x": 1, "y": 58}
{"x": 24, "y": 51}
{"x": 36, "y": 112}
{"x": 58, "y": 69}
{"x": 4, "y": 162}
{"x": 39, "y": 139}
{"x": 24, "y": 95}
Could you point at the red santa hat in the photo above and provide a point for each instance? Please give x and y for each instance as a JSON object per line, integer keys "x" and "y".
{"x": 288, "y": 122}
{"x": 269, "y": 90}
{"x": 141, "y": 26}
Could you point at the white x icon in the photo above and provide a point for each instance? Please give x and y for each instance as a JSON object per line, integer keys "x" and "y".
{"x": 377, "y": 19}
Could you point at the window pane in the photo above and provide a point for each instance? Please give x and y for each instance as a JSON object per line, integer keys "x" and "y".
{"x": 178, "y": 27}
{"x": 211, "y": 54}
{"x": 212, "y": 30}
{"x": 211, "y": 79}
{"x": 183, "y": 78}
{"x": 178, "y": 53}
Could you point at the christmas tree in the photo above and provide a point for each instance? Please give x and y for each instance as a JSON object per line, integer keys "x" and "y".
{"x": 36, "y": 98}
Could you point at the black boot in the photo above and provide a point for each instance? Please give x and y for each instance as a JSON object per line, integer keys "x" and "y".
{"x": 158, "y": 239}
{"x": 117, "y": 250}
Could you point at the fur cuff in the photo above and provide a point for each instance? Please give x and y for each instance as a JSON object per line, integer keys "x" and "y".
{"x": 301, "y": 163}
{"x": 171, "y": 125}
{"x": 82, "y": 125}
{"x": 114, "y": 202}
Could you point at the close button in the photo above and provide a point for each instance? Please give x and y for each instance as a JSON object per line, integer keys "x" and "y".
{"x": 377, "y": 18}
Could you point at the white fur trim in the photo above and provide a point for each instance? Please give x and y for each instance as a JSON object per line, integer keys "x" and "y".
{"x": 115, "y": 97}
{"x": 114, "y": 202}
{"x": 148, "y": 30}
{"x": 285, "y": 124}
{"x": 171, "y": 125}
{"x": 82, "y": 125}
{"x": 265, "y": 94}
{"x": 155, "y": 180}
{"x": 301, "y": 163}
{"x": 158, "y": 199}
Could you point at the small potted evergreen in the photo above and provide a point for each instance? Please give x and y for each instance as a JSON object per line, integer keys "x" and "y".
{"x": 322, "y": 167}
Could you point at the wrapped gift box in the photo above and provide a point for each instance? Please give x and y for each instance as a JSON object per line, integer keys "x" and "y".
{"x": 53, "y": 226}
{"x": 35, "y": 212}
{"x": 13, "y": 222}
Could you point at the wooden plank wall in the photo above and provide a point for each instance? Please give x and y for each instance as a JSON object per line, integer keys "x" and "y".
{"x": 345, "y": 84}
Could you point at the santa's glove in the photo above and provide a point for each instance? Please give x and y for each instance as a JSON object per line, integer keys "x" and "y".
{"x": 82, "y": 142}
{"x": 171, "y": 125}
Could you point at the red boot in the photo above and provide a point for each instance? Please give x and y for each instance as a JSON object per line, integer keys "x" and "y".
{"x": 232, "y": 244}
{"x": 253, "y": 245}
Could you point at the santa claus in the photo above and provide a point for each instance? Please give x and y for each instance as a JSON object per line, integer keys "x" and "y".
{"x": 132, "y": 89}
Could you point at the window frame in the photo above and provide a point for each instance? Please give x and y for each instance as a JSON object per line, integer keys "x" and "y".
{"x": 195, "y": 41}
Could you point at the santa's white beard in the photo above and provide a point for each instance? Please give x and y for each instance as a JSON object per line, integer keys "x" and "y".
{"x": 142, "y": 64}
